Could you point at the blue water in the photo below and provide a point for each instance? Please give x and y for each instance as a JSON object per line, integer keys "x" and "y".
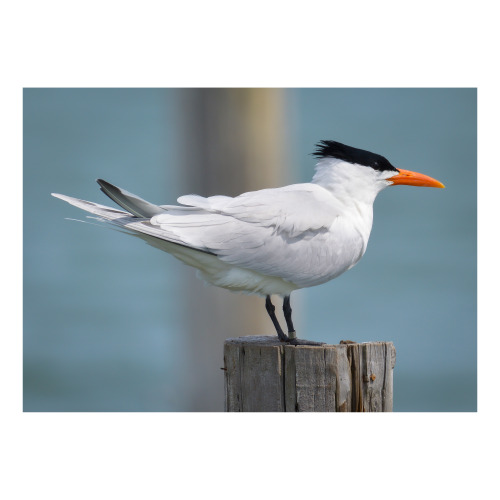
{"x": 103, "y": 312}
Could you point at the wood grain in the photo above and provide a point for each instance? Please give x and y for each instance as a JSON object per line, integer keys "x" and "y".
{"x": 262, "y": 374}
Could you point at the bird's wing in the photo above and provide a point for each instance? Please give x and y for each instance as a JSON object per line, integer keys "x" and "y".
{"x": 267, "y": 231}
{"x": 289, "y": 211}
{"x": 294, "y": 233}
{"x": 130, "y": 202}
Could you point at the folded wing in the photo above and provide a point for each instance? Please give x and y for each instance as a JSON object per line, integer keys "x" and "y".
{"x": 267, "y": 231}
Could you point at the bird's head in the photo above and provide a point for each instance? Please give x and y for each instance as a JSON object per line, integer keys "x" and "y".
{"x": 361, "y": 173}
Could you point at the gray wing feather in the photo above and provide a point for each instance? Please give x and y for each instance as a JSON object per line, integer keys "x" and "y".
{"x": 130, "y": 202}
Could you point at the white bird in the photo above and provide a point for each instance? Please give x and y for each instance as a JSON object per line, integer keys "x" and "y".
{"x": 272, "y": 241}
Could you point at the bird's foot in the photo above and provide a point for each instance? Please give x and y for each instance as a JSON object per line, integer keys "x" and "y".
{"x": 292, "y": 339}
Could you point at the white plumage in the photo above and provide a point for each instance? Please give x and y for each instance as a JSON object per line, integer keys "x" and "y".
{"x": 271, "y": 241}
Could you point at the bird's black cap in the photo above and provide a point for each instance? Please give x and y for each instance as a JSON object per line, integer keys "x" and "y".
{"x": 333, "y": 149}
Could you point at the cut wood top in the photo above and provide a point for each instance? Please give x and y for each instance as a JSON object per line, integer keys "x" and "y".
{"x": 268, "y": 340}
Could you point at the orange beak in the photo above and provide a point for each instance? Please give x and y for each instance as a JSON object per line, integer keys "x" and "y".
{"x": 414, "y": 179}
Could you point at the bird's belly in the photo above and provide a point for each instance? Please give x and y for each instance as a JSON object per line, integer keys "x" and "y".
{"x": 243, "y": 280}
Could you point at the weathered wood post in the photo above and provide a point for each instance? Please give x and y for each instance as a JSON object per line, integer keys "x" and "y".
{"x": 262, "y": 374}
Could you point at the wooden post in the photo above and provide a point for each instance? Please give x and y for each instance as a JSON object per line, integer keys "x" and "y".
{"x": 234, "y": 141}
{"x": 262, "y": 374}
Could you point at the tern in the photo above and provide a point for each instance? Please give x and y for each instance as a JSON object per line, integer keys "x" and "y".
{"x": 271, "y": 241}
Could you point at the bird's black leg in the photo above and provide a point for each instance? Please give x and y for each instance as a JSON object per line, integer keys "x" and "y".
{"x": 288, "y": 316}
{"x": 287, "y": 310}
{"x": 274, "y": 319}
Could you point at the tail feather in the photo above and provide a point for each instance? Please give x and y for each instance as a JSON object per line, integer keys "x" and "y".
{"x": 125, "y": 220}
{"x": 94, "y": 208}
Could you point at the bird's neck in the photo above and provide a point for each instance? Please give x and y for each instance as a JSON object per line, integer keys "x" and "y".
{"x": 354, "y": 187}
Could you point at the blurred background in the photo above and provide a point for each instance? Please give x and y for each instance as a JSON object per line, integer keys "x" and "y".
{"x": 111, "y": 324}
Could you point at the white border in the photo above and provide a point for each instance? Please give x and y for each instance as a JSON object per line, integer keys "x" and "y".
{"x": 256, "y": 44}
